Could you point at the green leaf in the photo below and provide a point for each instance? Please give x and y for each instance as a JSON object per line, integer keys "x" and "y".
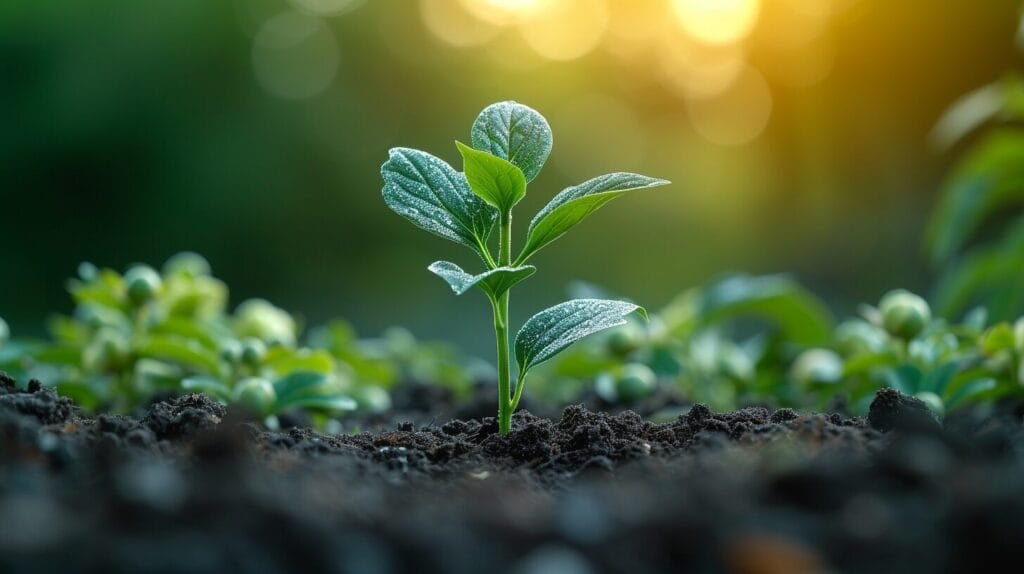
{"x": 300, "y": 384}
{"x": 970, "y": 391}
{"x": 209, "y": 385}
{"x": 189, "y": 354}
{"x": 284, "y": 360}
{"x": 106, "y": 289}
{"x": 494, "y": 282}
{"x": 320, "y": 403}
{"x": 431, "y": 194}
{"x": 514, "y": 132}
{"x": 988, "y": 179}
{"x": 801, "y": 316}
{"x": 988, "y": 276}
{"x": 208, "y": 333}
{"x": 495, "y": 180}
{"x": 572, "y": 205}
{"x": 1002, "y": 100}
{"x": 552, "y": 330}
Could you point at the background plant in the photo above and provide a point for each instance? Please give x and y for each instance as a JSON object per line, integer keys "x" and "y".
{"x": 136, "y": 335}
{"x": 510, "y": 143}
{"x": 975, "y": 237}
{"x": 748, "y": 340}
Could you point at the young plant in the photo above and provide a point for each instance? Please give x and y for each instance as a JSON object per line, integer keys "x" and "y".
{"x": 510, "y": 143}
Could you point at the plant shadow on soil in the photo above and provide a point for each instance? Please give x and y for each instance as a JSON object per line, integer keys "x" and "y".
{"x": 186, "y": 486}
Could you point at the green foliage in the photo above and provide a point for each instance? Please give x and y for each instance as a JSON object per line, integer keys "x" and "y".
{"x": 970, "y": 239}
{"x": 145, "y": 332}
{"x": 572, "y": 205}
{"x": 497, "y": 181}
{"x": 704, "y": 347}
{"x": 516, "y": 133}
{"x": 433, "y": 196}
{"x": 511, "y": 142}
{"x": 494, "y": 282}
{"x": 552, "y": 330}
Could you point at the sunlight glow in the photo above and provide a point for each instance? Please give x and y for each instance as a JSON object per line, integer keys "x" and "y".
{"x": 505, "y": 12}
{"x": 717, "y": 21}
{"x": 568, "y": 29}
{"x": 451, "y": 22}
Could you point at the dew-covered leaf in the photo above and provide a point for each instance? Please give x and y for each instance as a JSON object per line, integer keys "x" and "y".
{"x": 494, "y": 282}
{"x": 514, "y": 132}
{"x": 495, "y": 180}
{"x": 547, "y": 333}
{"x": 573, "y": 204}
{"x": 431, "y": 194}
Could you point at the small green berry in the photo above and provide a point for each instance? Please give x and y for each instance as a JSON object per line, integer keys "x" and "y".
{"x": 143, "y": 283}
{"x": 637, "y": 381}
{"x": 625, "y": 340}
{"x": 253, "y": 351}
{"x": 904, "y": 314}
{"x": 817, "y": 366}
{"x": 631, "y": 383}
{"x": 87, "y": 271}
{"x": 260, "y": 319}
{"x": 256, "y": 394}
{"x": 856, "y": 337}
{"x": 187, "y": 264}
{"x": 231, "y": 351}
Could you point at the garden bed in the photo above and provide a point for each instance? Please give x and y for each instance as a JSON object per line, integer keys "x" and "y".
{"x": 187, "y": 486}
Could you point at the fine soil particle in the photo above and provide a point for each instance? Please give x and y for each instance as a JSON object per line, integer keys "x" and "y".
{"x": 189, "y": 487}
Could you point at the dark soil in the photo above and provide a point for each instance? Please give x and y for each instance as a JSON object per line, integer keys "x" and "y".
{"x": 189, "y": 487}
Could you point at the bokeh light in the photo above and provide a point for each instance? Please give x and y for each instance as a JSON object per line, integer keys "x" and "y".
{"x": 567, "y": 29}
{"x": 327, "y": 7}
{"x": 717, "y": 21}
{"x": 696, "y": 71}
{"x": 450, "y": 22}
{"x": 505, "y": 12}
{"x": 295, "y": 56}
{"x": 736, "y": 116}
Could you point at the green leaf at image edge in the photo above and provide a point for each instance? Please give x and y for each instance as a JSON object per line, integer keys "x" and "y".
{"x": 494, "y": 282}
{"x": 495, "y": 180}
{"x": 436, "y": 198}
{"x": 573, "y": 204}
{"x": 549, "y": 332}
{"x": 516, "y": 133}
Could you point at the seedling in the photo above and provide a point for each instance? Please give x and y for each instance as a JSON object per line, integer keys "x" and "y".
{"x": 510, "y": 143}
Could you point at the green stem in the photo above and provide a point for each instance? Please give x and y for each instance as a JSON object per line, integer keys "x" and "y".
{"x": 504, "y": 368}
{"x": 500, "y": 306}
